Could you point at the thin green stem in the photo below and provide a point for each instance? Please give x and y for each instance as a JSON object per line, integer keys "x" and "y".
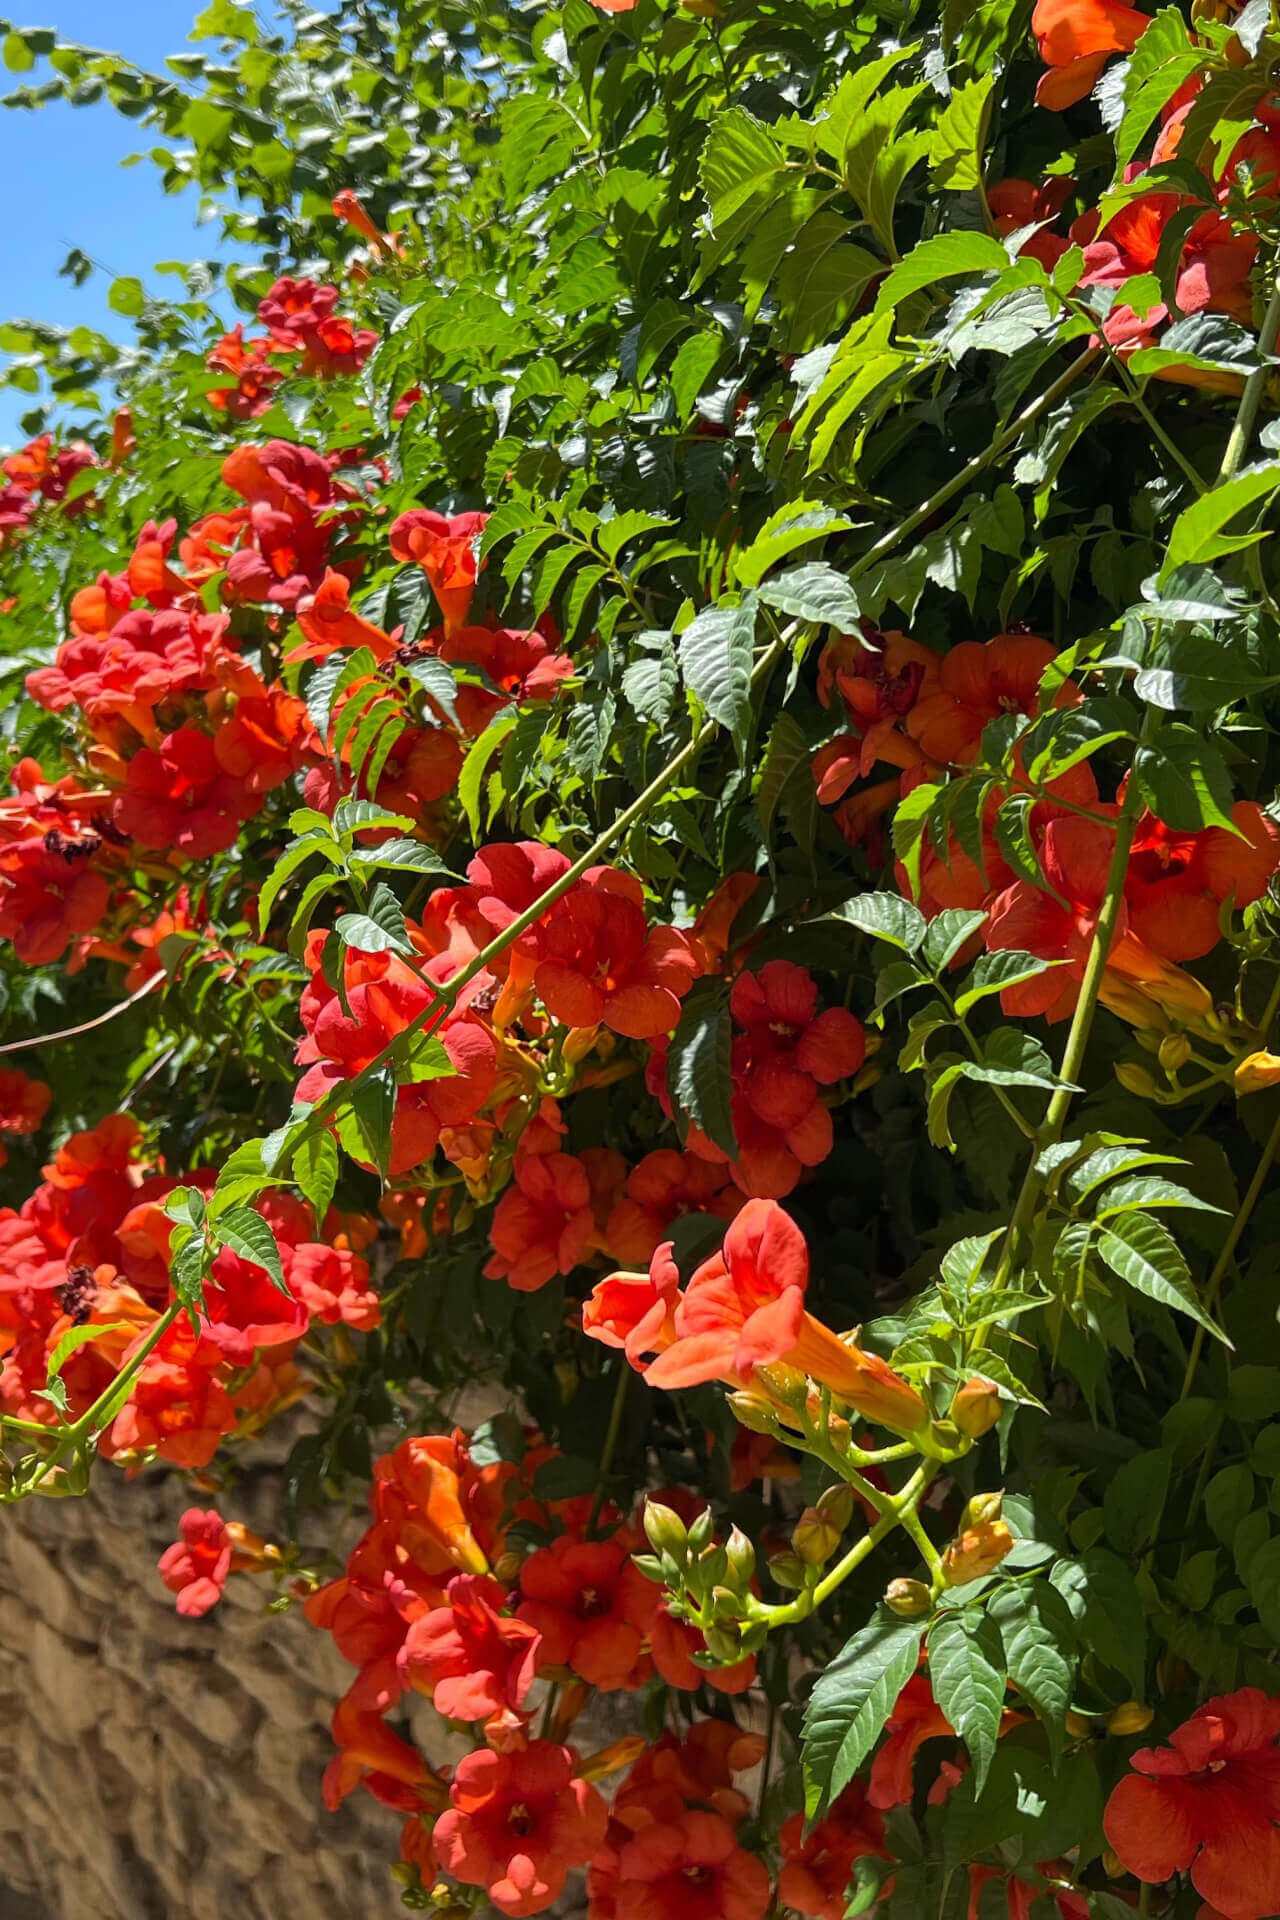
{"x": 1254, "y": 388}
{"x": 610, "y": 1441}
{"x": 959, "y": 481}
{"x": 1051, "y": 1129}
{"x": 896, "y": 1507}
{"x": 1227, "y": 1251}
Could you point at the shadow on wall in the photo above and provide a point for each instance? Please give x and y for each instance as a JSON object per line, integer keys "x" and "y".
{"x": 20, "y": 1906}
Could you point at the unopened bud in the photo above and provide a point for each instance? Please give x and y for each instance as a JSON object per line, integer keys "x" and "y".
{"x": 977, "y": 1551}
{"x": 1256, "y": 1072}
{"x": 55, "y": 1485}
{"x": 976, "y": 1408}
{"x": 1136, "y": 1079}
{"x": 756, "y": 1415}
{"x": 578, "y": 1043}
{"x": 721, "y": 1644}
{"x": 665, "y": 1529}
{"x": 710, "y": 1567}
{"x": 1174, "y": 1052}
{"x": 1078, "y": 1725}
{"x": 788, "y": 1569}
{"x": 651, "y": 1567}
{"x": 506, "y": 1567}
{"x": 836, "y": 1506}
{"x": 725, "y": 1603}
{"x": 700, "y": 1530}
{"x": 909, "y": 1599}
{"x": 814, "y": 1539}
{"x": 983, "y": 1508}
{"x": 1132, "y": 1717}
{"x": 1112, "y": 1865}
{"x": 740, "y": 1557}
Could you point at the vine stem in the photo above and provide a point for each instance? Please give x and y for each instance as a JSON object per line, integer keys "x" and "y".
{"x": 610, "y": 1442}
{"x": 895, "y": 1509}
{"x": 1254, "y": 387}
{"x": 87, "y": 1026}
{"x": 959, "y": 481}
{"x": 1226, "y": 1253}
{"x": 1051, "y": 1128}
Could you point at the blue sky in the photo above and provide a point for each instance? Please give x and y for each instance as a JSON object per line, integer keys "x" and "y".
{"x": 68, "y": 188}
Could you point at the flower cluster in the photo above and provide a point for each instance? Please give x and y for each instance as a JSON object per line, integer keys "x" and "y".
{"x": 302, "y": 325}
{"x": 90, "y": 1249}
{"x": 41, "y": 472}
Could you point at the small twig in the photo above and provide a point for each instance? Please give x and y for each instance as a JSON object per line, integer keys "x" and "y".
{"x": 86, "y": 1026}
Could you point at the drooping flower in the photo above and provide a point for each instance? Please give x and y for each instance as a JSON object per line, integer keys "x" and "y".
{"x": 1208, "y": 1803}
{"x": 543, "y": 1223}
{"x": 475, "y": 1661}
{"x": 517, "y": 1823}
{"x": 445, "y": 549}
{"x": 817, "y": 1867}
{"x": 197, "y": 1565}
{"x": 1076, "y": 39}
{"x": 744, "y": 1309}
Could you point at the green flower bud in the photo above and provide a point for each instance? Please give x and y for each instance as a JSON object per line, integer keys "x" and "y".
{"x": 909, "y": 1599}
{"x": 814, "y": 1539}
{"x": 740, "y": 1558}
{"x": 789, "y": 1570}
{"x": 665, "y": 1529}
{"x": 836, "y": 1507}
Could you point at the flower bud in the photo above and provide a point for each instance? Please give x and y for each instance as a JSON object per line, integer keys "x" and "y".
{"x": 1078, "y": 1725}
{"x": 756, "y": 1415}
{"x": 976, "y": 1551}
{"x": 612, "y": 1759}
{"x": 982, "y": 1509}
{"x": 700, "y": 1530}
{"x": 1256, "y": 1072}
{"x": 1174, "y": 1052}
{"x": 650, "y": 1566}
{"x": 578, "y": 1043}
{"x": 976, "y": 1408}
{"x": 1112, "y": 1865}
{"x": 725, "y": 1603}
{"x": 722, "y": 1645}
{"x": 788, "y": 1569}
{"x": 814, "y": 1538}
{"x": 836, "y": 1506}
{"x": 665, "y": 1530}
{"x": 710, "y": 1567}
{"x": 1132, "y": 1717}
{"x": 1136, "y": 1079}
{"x": 909, "y": 1599}
{"x": 740, "y": 1558}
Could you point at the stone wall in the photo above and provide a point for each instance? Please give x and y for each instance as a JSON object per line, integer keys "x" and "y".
{"x": 155, "y": 1767}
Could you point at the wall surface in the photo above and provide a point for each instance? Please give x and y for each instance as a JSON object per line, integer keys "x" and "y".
{"x": 155, "y": 1767}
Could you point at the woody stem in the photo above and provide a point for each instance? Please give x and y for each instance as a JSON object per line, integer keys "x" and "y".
{"x": 610, "y": 1442}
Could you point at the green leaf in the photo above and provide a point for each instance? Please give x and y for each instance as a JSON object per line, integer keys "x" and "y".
{"x": 948, "y": 933}
{"x": 1161, "y": 61}
{"x": 294, "y": 856}
{"x": 943, "y": 257}
{"x": 1198, "y": 532}
{"x": 372, "y": 1105}
{"x": 1142, "y": 1252}
{"x": 315, "y": 1170}
{"x": 716, "y": 653}
{"x": 888, "y": 916}
{"x": 852, "y": 1701}
{"x": 1039, "y": 1641}
{"x": 380, "y": 930}
{"x": 76, "y": 1337}
{"x": 814, "y": 592}
{"x": 127, "y": 296}
{"x": 411, "y": 855}
{"x": 967, "y": 1671}
{"x": 798, "y": 524}
{"x": 740, "y": 161}
{"x": 248, "y": 1234}
{"x": 1133, "y": 1499}
{"x": 699, "y": 1076}
{"x": 786, "y": 757}
{"x": 1184, "y": 781}
{"x": 993, "y": 972}
{"x": 955, "y": 157}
